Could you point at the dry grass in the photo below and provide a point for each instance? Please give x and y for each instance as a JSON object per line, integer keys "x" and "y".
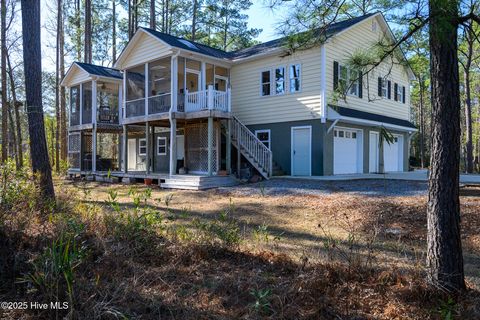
{"x": 337, "y": 256}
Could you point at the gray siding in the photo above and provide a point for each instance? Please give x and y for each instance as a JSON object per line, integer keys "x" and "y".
{"x": 280, "y": 140}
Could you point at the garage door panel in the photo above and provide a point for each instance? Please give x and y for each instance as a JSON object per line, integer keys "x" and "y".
{"x": 345, "y": 157}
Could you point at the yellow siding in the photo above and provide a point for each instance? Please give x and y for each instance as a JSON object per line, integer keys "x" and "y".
{"x": 146, "y": 49}
{"x": 340, "y": 48}
{"x": 78, "y": 76}
{"x": 251, "y": 108}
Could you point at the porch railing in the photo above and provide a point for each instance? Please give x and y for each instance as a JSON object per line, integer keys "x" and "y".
{"x": 135, "y": 108}
{"x": 189, "y": 102}
{"x": 254, "y": 149}
{"x": 207, "y": 100}
{"x": 106, "y": 115}
{"x": 159, "y": 103}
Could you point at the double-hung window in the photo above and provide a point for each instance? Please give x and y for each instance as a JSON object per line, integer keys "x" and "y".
{"x": 294, "y": 73}
{"x": 400, "y": 90}
{"x": 265, "y": 78}
{"x": 142, "y": 147}
{"x": 264, "y": 137}
{"x": 384, "y": 87}
{"x": 162, "y": 146}
{"x": 280, "y": 80}
{"x": 354, "y": 82}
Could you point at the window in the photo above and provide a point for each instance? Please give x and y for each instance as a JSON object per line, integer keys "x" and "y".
{"x": 384, "y": 87}
{"x": 162, "y": 146}
{"x": 354, "y": 82}
{"x": 349, "y": 80}
{"x": 142, "y": 147}
{"x": 344, "y": 134}
{"x": 280, "y": 80}
{"x": 264, "y": 137}
{"x": 294, "y": 78}
{"x": 265, "y": 83}
{"x": 400, "y": 90}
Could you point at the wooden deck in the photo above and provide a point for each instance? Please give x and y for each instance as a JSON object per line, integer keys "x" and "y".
{"x": 178, "y": 181}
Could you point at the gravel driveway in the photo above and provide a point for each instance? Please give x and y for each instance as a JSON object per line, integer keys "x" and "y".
{"x": 368, "y": 187}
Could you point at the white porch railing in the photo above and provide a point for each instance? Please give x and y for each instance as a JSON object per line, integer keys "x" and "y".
{"x": 252, "y": 148}
{"x": 207, "y": 100}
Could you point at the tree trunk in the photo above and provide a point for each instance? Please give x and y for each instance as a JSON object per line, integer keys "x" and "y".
{"x": 32, "y": 58}
{"x": 88, "y": 32}
{"x": 58, "y": 120}
{"x": 114, "y": 33}
{"x": 63, "y": 99}
{"x": 194, "y": 19}
{"x": 4, "y": 81}
{"x": 13, "y": 146}
{"x": 468, "y": 123}
{"x": 16, "y": 107}
{"x": 78, "y": 33}
{"x": 444, "y": 248}
{"x": 422, "y": 125}
{"x": 153, "y": 22}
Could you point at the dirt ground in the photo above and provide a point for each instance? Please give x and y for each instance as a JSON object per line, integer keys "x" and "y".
{"x": 306, "y": 219}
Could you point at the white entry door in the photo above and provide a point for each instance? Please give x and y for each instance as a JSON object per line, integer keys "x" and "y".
{"x": 132, "y": 154}
{"x": 301, "y": 151}
{"x": 180, "y": 147}
{"x": 393, "y": 155}
{"x": 346, "y": 151}
{"x": 374, "y": 152}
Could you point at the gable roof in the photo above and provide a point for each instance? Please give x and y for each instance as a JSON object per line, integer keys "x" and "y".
{"x": 100, "y": 70}
{"x": 265, "y": 47}
{"x": 80, "y": 72}
{"x": 188, "y": 45}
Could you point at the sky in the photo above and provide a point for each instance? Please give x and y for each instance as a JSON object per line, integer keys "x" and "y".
{"x": 260, "y": 16}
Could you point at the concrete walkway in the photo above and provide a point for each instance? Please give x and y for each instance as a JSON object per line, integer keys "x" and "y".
{"x": 417, "y": 175}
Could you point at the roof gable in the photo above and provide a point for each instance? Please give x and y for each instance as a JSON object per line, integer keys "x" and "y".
{"x": 80, "y": 72}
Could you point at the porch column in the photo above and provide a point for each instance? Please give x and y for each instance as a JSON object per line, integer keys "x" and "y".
{"x": 81, "y": 104}
{"x": 147, "y": 142}
{"x": 210, "y": 146}
{"x": 228, "y": 145}
{"x": 125, "y": 148}
{"x": 146, "y": 89}
{"x": 203, "y": 76}
{"x": 174, "y": 83}
{"x": 94, "y": 126}
{"x": 173, "y": 147}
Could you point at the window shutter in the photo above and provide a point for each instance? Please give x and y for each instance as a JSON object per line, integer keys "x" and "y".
{"x": 335, "y": 75}
{"x": 380, "y": 86}
{"x": 395, "y": 91}
{"x": 389, "y": 89}
{"x": 403, "y": 94}
{"x": 360, "y": 84}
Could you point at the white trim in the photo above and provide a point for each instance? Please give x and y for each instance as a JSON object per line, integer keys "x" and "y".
{"x": 158, "y": 146}
{"x": 323, "y": 83}
{"x": 140, "y": 146}
{"x": 292, "y": 129}
{"x": 359, "y": 151}
{"x": 274, "y": 74}
{"x": 376, "y": 123}
{"x": 270, "y": 83}
{"x": 269, "y": 136}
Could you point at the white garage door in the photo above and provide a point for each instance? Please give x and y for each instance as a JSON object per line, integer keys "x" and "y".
{"x": 393, "y": 155}
{"x": 346, "y": 155}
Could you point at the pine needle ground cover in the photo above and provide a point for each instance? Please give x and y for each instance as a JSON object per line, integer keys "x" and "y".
{"x": 131, "y": 252}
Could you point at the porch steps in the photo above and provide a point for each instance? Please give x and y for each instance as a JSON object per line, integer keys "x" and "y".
{"x": 259, "y": 156}
{"x": 190, "y": 182}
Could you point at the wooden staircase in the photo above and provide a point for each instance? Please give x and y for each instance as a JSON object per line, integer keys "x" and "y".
{"x": 259, "y": 156}
{"x": 193, "y": 182}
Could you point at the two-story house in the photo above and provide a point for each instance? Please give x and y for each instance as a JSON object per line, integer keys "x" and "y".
{"x": 190, "y": 115}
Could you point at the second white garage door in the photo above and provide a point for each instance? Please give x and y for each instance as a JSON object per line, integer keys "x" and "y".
{"x": 393, "y": 155}
{"x": 347, "y": 155}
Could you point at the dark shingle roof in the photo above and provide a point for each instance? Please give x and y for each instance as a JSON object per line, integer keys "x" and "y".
{"x": 100, "y": 71}
{"x": 277, "y": 43}
{"x": 352, "y": 113}
{"x": 189, "y": 45}
{"x": 247, "y": 52}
